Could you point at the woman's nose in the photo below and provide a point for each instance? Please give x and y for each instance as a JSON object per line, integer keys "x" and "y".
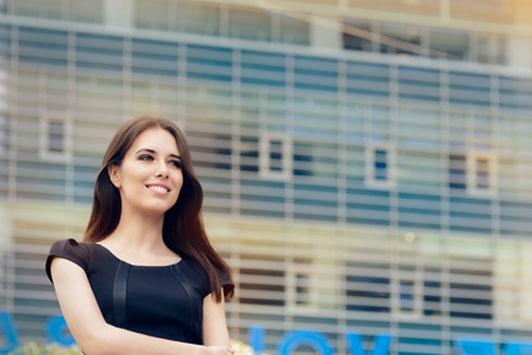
{"x": 162, "y": 170}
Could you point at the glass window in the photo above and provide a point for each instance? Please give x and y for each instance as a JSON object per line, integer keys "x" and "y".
{"x": 432, "y": 292}
{"x": 249, "y": 23}
{"x": 152, "y": 14}
{"x": 249, "y": 154}
{"x": 380, "y": 165}
{"x": 457, "y": 171}
{"x": 293, "y": 30}
{"x": 87, "y": 11}
{"x": 197, "y": 17}
{"x": 75, "y": 10}
{"x": 406, "y": 296}
{"x": 449, "y": 43}
{"x": 468, "y": 299}
{"x": 482, "y": 174}
{"x": 56, "y": 136}
{"x": 368, "y": 287}
{"x": 474, "y": 171}
{"x": 491, "y": 48}
{"x": 212, "y": 150}
{"x": 302, "y": 278}
{"x": 264, "y": 282}
{"x": 380, "y": 161}
{"x": 406, "y": 36}
{"x": 302, "y": 288}
{"x": 361, "y": 42}
{"x": 303, "y": 159}
{"x": 275, "y": 156}
{"x": 52, "y": 9}
{"x": 56, "y": 140}
{"x": 4, "y": 121}
{"x": 4, "y": 133}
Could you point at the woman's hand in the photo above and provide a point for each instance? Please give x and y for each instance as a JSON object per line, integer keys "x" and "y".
{"x": 219, "y": 350}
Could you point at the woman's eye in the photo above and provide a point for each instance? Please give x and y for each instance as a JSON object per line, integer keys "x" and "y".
{"x": 176, "y": 163}
{"x": 145, "y": 157}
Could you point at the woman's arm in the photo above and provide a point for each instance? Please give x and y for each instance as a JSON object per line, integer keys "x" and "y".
{"x": 214, "y": 322}
{"x": 93, "y": 334}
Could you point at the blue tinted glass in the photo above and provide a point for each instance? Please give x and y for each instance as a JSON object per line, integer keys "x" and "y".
{"x": 99, "y": 52}
{"x": 40, "y": 46}
{"x": 209, "y": 63}
{"x": 380, "y": 165}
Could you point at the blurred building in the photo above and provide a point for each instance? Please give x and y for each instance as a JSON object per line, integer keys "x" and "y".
{"x": 366, "y": 164}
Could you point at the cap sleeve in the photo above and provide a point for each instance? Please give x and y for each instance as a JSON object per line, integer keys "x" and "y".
{"x": 225, "y": 280}
{"x": 69, "y": 249}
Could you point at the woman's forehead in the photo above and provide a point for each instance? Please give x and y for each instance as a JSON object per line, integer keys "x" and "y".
{"x": 156, "y": 139}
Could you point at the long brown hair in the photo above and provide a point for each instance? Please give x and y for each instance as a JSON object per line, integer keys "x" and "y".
{"x": 183, "y": 230}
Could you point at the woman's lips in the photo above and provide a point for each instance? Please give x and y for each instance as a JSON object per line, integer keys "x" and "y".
{"x": 158, "y": 189}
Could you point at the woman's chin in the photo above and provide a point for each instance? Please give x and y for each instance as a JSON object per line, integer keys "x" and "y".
{"x": 154, "y": 210}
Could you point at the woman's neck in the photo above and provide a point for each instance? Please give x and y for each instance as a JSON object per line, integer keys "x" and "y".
{"x": 138, "y": 232}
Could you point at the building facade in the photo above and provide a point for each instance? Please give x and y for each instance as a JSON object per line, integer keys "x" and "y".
{"x": 366, "y": 165}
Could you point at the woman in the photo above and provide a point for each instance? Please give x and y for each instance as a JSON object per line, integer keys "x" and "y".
{"x": 145, "y": 279}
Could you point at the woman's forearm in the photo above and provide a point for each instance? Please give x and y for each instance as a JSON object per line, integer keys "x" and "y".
{"x": 114, "y": 340}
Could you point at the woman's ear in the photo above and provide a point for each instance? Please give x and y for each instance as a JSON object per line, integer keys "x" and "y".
{"x": 114, "y": 175}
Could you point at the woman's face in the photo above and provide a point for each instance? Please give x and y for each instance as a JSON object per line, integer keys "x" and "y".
{"x": 150, "y": 176}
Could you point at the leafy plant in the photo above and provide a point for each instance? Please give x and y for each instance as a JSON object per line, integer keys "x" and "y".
{"x": 242, "y": 348}
{"x": 33, "y": 348}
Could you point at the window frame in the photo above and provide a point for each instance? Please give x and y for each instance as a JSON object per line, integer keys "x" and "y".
{"x": 391, "y": 166}
{"x": 397, "y": 276}
{"x": 4, "y": 114}
{"x": 265, "y": 170}
{"x": 299, "y": 269}
{"x": 472, "y": 173}
{"x": 44, "y": 152}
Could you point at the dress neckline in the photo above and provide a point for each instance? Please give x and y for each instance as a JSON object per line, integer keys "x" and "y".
{"x": 135, "y": 265}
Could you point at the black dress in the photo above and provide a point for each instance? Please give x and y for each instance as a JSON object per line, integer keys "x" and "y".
{"x": 162, "y": 301}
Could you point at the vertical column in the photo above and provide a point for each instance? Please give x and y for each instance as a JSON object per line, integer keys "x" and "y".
{"x": 12, "y": 170}
{"x": 394, "y": 253}
{"x": 499, "y": 297}
{"x": 519, "y": 47}
{"x": 340, "y": 253}
{"x": 4, "y": 90}
{"x": 182, "y": 87}
{"x": 519, "y": 52}
{"x": 13, "y": 113}
{"x": 5, "y": 247}
{"x": 326, "y": 33}
{"x": 494, "y": 149}
{"x": 119, "y": 13}
{"x": 70, "y": 114}
{"x": 444, "y": 214}
{"x": 290, "y": 97}
{"x": 393, "y": 145}
{"x": 235, "y": 134}
{"x": 342, "y": 142}
{"x": 126, "y": 79}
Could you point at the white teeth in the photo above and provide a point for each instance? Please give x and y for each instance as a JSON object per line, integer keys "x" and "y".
{"x": 158, "y": 188}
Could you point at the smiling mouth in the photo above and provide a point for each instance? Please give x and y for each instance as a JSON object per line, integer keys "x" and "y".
{"x": 158, "y": 189}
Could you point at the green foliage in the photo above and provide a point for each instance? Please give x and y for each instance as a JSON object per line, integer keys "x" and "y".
{"x": 241, "y": 348}
{"x": 33, "y": 348}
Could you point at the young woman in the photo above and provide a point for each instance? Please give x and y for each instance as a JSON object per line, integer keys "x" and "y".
{"x": 145, "y": 279}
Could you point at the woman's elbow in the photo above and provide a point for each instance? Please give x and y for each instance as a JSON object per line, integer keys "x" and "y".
{"x": 100, "y": 342}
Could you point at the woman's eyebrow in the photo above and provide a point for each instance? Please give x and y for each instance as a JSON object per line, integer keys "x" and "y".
{"x": 153, "y": 152}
